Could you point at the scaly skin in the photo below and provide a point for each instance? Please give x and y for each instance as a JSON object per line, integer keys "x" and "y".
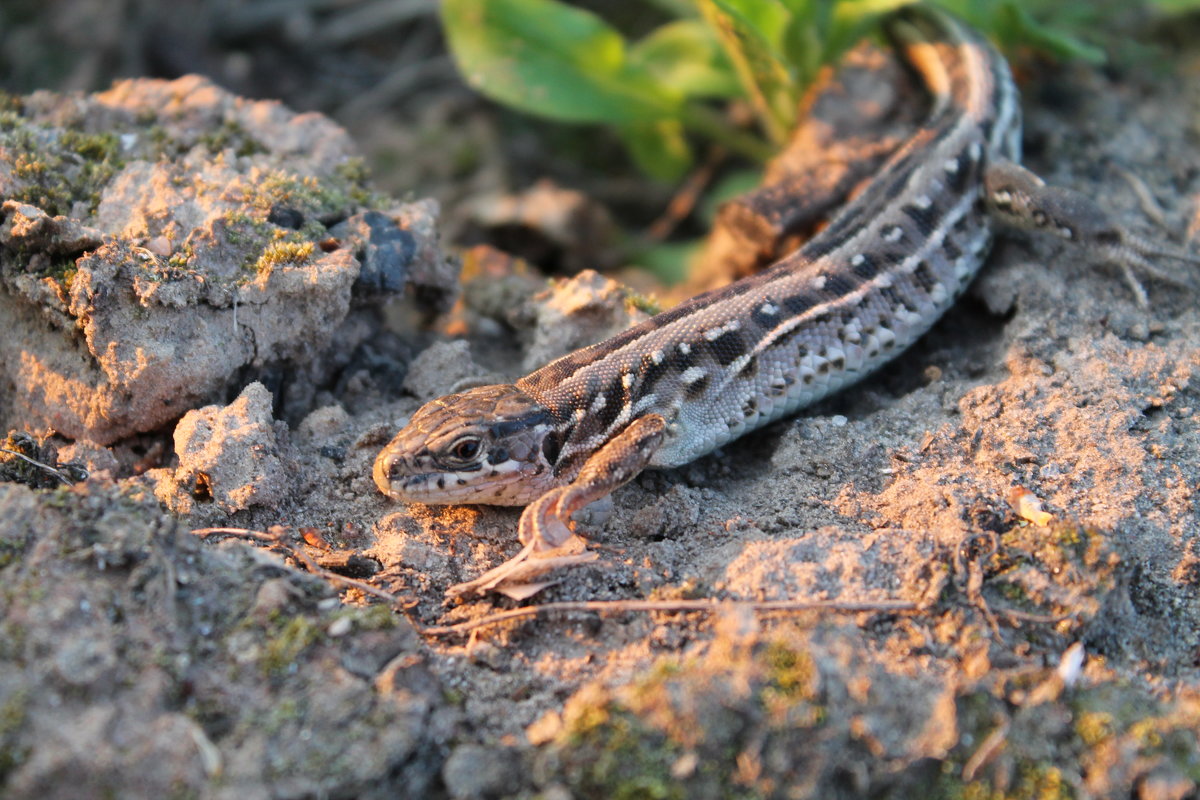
{"x": 481, "y": 446}
{"x": 733, "y": 359}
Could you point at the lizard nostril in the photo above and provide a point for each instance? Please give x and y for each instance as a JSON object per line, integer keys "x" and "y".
{"x": 388, "y": 467}
{"x": 395, "y": 467}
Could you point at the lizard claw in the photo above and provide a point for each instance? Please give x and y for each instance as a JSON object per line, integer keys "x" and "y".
{"x": 512, "y": 578}
{"x": 549, "y": 545}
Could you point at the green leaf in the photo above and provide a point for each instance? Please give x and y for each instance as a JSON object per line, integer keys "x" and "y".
{"x": 548, "y": 58}
{"x": 1028, "y": 30}
{"x": 676, "y": 8}
{"x": 659, "y": 148}
{"x": 670, "y": 262}
{"x": 1010, "y": 23}
{"x": 768, "y": 19}
{"x": 1176, "y": 6}
{"x": 751, "y": 32}
{"x": 686, "y": 56}
{"x": 804, "y": 40}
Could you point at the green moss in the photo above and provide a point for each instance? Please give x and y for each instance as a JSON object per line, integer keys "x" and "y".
{"x": 790, "y": 673}
{"x": 179, "y": 260}
{"x": 10, "y": 552}
{"x": 283, "y": 713}
{"x": 1012, "y": 593}
{"x": 239, "y": 227}
{"x": 307, "y": 194}
{"x": 55, "y": 169}
{"x": 1043, "y": 782}
{"x": 626, "y": 760}
{"x": 283, "y": 253}
{"x": 1094, "y": 727}
{"x": 39, "y": 186}
{"x": 232, "y": 136}
{"x": 373, "y": 618}
{"x": 13, "y": 713}
{"x": 1066, "y": 574}
{"x": 286, "y": 644}
{"x": 10, "y": 104}
{"x": 354, "y": 172}
{"x": 63, "y": 270}
{"x": 644, "y": 303}
{"x": 91, "y": 146}
{"x": 160, "y": 139}
{"x": 1033, "y": 782}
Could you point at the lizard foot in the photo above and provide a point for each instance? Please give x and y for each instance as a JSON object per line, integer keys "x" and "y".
{"x": 515, "y": 577}
{"x": 549, "y": 542}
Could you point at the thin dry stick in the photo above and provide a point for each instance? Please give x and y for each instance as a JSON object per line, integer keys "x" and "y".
{"x": 599, "y": 606}
{"x": 352, "y": 583}
{"x": 1025, "y": 616}
{"x": 307, "y": 560}
{"x": 986, "y": 752}
{"x": 702, "y": 606}
{"x": 263, "y": 535}
{"x": 52, "y": 470}
{"x": 686, "y": 198}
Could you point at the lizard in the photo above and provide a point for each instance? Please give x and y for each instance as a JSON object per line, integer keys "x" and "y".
{"x": 732, "y": 359}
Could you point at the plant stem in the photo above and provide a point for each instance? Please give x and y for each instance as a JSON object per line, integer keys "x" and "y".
{"x": 701, "y": 120}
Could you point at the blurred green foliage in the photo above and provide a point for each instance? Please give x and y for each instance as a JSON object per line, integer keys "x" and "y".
{"x": 562, "y": 62}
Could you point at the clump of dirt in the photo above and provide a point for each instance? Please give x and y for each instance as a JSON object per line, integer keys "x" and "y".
{"x": 140, "y": 661}
{"x": 227, "y": 454}
{"x": 161, "y": 241}
{"x": 795, "y": 712}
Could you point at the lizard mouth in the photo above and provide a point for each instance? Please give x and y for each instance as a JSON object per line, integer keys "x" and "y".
{"x": 505, "y": 484}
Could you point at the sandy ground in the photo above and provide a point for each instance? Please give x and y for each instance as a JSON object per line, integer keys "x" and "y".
{"x": 1040, "y": 656}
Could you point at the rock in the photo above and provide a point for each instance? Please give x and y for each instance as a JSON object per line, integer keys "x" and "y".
{"x": 474, "y": 772}
{"x": 26, "y": 226}
{"x": 93, "y": 457}
{"x": 580, "y": 311}
{"x": 560, "y": 230}
{"x": 324, "y": 424}
{"x": 398, "y": 247}
{"x": 230, "y": 455}
{"x": 145, "y": 268}
{"x": 440, "y": 369}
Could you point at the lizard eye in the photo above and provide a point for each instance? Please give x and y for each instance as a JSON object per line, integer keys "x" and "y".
{"x": 466, "y": 448}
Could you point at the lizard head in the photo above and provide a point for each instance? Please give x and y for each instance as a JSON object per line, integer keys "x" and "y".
{"x": 485, "y": 445}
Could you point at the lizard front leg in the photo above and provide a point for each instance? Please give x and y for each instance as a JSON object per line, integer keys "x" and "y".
{"x": 544, "y": 527}
{"x": 1022, "y": 199}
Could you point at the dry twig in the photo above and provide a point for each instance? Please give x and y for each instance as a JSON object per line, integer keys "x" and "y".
{"x": 275, "y": 537}
{"x": 62, "y": 476}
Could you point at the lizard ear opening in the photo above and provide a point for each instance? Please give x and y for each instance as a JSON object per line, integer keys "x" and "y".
{"x": 552, "y": 447}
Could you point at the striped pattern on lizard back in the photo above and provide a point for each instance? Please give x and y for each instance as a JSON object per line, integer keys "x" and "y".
{"x": 863, "y": 289}
{"x": 732, "y": 359}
